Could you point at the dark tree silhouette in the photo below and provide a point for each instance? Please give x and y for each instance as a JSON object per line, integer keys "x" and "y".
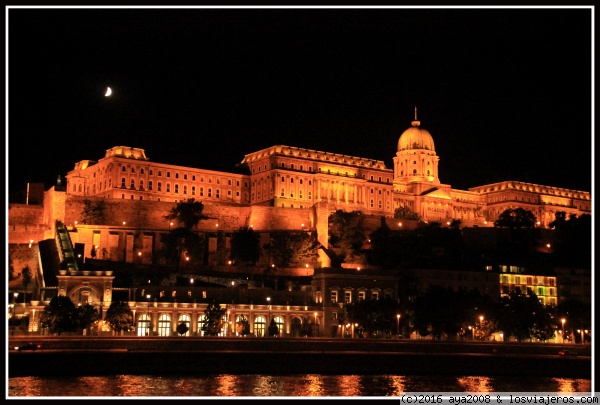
{"x": 213, "y": 323}
{"x": 120, "y": 317}
{"x": 245, "y": 246}
{"x": 188, "y": 213}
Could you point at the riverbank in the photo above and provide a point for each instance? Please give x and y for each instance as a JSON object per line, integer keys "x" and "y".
{"x": 146, "y": 356}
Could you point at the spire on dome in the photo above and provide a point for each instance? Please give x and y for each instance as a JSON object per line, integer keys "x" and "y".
{"x": 416, "y": 123}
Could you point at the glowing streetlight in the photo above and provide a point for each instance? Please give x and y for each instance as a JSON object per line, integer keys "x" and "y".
{"x": 563, "y": 320}
{"x": 398, "y": 325}
{"x": 472, "y": 329}
{"x": 269, "y": 318}
{"x": 149, "y": 321}
{"x": 316, "y": 326}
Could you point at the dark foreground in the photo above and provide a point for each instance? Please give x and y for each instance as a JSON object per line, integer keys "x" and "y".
{"x": 144, "y": 356}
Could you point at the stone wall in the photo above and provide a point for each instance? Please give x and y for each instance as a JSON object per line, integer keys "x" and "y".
{"x": 21, "y": 255}
{"x": 25, "y": 223}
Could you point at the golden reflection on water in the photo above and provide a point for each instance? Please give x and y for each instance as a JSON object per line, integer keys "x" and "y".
{"x": 349, "y": 385}
{"x": 570, "y": 385}
{"x": 306, "y": 385}
{"x": 475, "y": 384}
{"x": 397, "y": 382}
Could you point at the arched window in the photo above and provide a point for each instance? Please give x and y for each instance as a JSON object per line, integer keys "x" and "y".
{"x": 280, "y": 324}
{"x": 259, "y": 326}
{"x": 184, "y": 318}
{"x": 164, "y": 325}
{"x": 144, "y": 325}
{"x": 201, "y": 322}
{"x": 123, "y": 182}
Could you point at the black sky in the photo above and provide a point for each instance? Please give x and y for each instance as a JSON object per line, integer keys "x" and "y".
{"x": 505, "y": 93}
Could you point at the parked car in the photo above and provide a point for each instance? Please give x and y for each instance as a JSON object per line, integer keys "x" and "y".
{"x": 28, "y": 346}
{"x": 567, "y": 353}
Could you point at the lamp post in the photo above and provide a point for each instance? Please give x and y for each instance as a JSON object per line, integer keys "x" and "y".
{"x": 481, "y": 325}
{"x": 582, "y": 335}
{"x": 227, "y": 333}
{"x": 15, "y": 295}
{"x": 398, "y": 325}
{"x": 563, "y": 320}
{"x": 269, "y": 318}
{"x": 316, "y": 326}
{"x": 472, "y": 329}
{"x": 149, "y": 319}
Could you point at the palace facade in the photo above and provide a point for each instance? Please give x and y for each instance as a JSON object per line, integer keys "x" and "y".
{"x": 291, "y": 177}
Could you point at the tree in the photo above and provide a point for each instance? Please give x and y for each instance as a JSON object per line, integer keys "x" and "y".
{"x": 188, "y": 213}
{"x": 94, "y": 213}
{"x": 375, "y": 316}
{"x": 293, "y": 249}
{"x": 245, "y": 246}
{"x": 243, "y": 326}
{"x": 572, "y": 242}
{"x": 213, "y": 323}
{"x": 86, "y": 315}
{"x": 59, "y": 315}
{"x": 515, "y": 219}
{"x": 26, "y": 277}
{"x": 522, "y": 315}
{"x": 406, "y": 213}
{"x": 182, "y": 328}
{"x": 382, "y": 245}
{"x": 273, "y": 328}
{"x": 521, "y": 225}
{"x": 346, "y": 230}
{"x": 120, "y": 317}
{"x": 11, "y": 270}
{"x": 180, "y": 243}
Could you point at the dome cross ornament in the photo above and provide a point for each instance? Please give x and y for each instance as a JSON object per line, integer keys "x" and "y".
{"x": 416, "y": 122}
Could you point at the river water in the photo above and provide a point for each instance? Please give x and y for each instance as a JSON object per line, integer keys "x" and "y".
{"x": 306, "y": 385}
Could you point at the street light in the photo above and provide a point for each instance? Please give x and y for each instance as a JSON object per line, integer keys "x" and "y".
{"x": 481, "y": 325}
{"x": 563, "y": 320}
{"x": 15, "y": 295}
{"x": 269, "y": 318}
{"x": 316, "y": 326}
{"x": 149, "y": 321}
{"x": 227, "y": 333}
{"x": 472, "y": 329}
{"x": 398, "y": 325}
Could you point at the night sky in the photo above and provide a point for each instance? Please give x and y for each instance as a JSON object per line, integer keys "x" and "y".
{"x": 505, "y": 93}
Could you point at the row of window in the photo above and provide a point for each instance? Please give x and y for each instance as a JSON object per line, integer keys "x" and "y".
{"x": 185, "y": 176}
{"x": 361, "y": 296}
{"x": 164, "y": 327}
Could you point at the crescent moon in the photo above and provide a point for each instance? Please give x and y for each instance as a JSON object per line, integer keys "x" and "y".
{"x": 108, "y": 92}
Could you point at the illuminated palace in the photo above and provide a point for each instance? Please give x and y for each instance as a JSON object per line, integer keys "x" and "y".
{"x": 291, "y": 177}
{"x": 280, "y": 188}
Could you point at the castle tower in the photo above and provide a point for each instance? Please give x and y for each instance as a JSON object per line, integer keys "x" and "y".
{"x": 416, "y": 160}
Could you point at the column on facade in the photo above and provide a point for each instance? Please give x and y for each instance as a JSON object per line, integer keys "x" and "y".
{"x": 364, "y": 195}
{"x": 345, "y": 192}
{"x": 319, "y": 190}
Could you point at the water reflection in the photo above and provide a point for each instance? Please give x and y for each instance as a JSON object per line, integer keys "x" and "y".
{"x": 475, "y": 384}
{"x": 308, "y": 385}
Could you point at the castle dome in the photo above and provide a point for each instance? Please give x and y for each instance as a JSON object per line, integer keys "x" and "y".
{"x": 416, "y": 138}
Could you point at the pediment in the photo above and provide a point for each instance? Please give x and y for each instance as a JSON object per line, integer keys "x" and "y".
{"x": 436, "y": 193}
